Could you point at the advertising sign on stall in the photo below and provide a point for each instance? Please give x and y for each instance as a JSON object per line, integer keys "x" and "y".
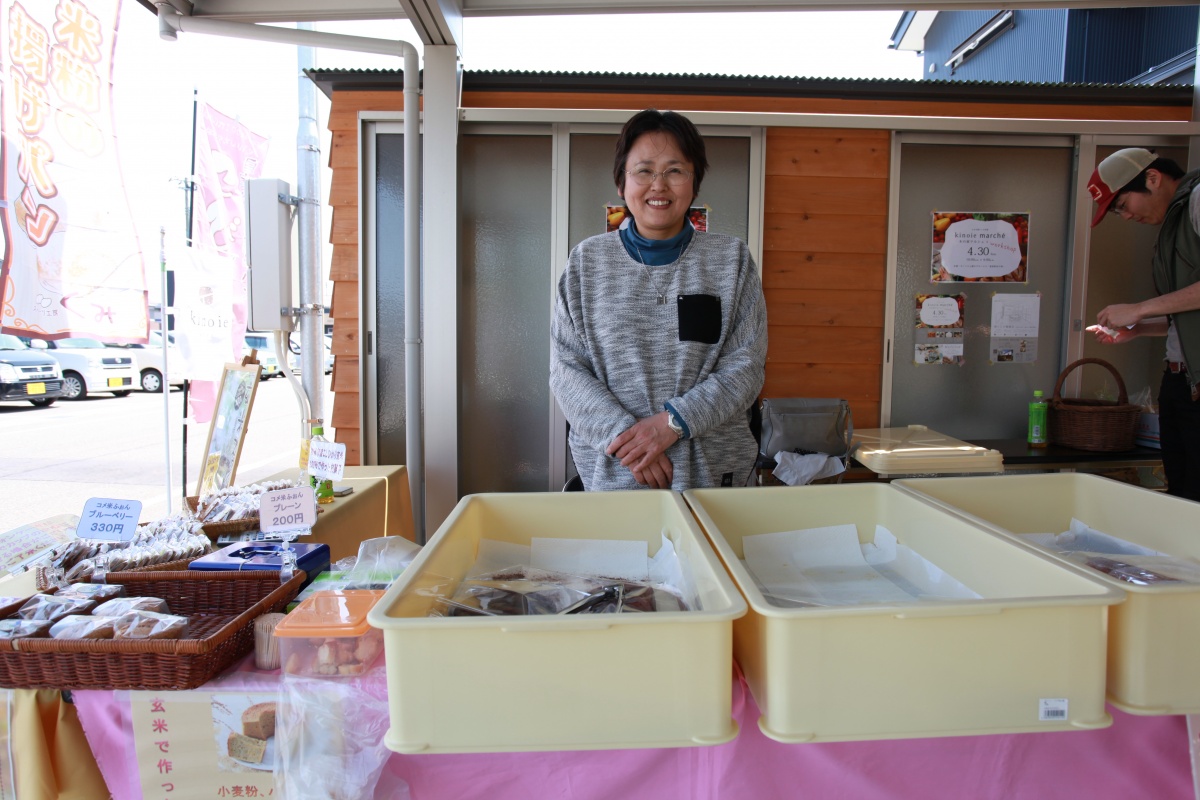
{"x": 939, "y": 333}
{"x": 72, "y": 265}
{"x": 1015, "y": 328}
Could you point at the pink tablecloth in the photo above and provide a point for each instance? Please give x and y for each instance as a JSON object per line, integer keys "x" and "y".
{"x": 1138, "y": 757}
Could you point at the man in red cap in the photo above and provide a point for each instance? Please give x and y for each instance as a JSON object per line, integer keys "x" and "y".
{"x": 1137, "y": 185}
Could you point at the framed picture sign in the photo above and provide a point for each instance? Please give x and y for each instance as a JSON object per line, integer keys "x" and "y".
{"x": 227, "y": 430}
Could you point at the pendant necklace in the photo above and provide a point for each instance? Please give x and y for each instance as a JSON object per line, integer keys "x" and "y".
{"x": 662, "y": 295}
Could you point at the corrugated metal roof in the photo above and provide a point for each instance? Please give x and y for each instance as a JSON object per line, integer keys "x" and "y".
{"x": 331, "y": 80}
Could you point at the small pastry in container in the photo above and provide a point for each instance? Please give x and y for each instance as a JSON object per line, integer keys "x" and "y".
{"x": 93, "y": 591}
{"x": 23, "y": 629}
{"x": 83, "y": 626}
{"x": 150, "y": 625}
{"x": 120, "y": 606}
{"x": 51, "y": 607}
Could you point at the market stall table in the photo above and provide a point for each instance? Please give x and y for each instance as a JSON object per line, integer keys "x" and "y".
{"x": 1138, "y": 756}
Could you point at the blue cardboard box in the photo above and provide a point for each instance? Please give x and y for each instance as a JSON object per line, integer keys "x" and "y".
{"x": 312, "y": 558}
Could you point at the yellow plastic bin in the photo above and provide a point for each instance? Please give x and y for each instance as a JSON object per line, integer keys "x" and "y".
{"x": 1154, "y": 636}
{"x": 1027, "y": 656}
{"x": 588, "y": 681}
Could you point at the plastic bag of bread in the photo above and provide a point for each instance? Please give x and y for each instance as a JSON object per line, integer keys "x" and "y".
{"x": 149, "y": 625}
{"x": 93, "y": 591}
{"x": 9, "y": 605}
{"x": 52, "y": 607}
{"x": 83, "y": 626}
{"x": 23, "y": 629}
{"x": 120, "y": 606}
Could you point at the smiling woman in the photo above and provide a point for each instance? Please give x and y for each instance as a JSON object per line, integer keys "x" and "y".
{"x": 637, "y": 379}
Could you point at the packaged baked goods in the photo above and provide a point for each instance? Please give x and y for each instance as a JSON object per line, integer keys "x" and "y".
{"x": 149, "y": 625}
{"x": 93, "y": 591}
{"x": 266, "y": 646}
{"x": 51, "y": 607}
{"x": 83, "y": 626}
{"x": 9, "y": 605}
{"x": 23, "y": 629}
{"x": 120, "y": 606}
{"x": 328, "y": 635}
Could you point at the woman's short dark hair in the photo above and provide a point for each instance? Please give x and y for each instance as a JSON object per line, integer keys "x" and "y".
{"x": 1164, "y": 165}
{"x": 653, "y": 121}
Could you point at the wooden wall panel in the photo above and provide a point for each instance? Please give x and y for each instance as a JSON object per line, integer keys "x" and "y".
{"x": 825, "y": 265}
{"x": 343, "y": 265}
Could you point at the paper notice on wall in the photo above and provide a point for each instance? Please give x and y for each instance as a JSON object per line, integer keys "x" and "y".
{"x": 980, "y": 246}
{"x": 939, "y": 329}
{"x": 1015, "y": 328}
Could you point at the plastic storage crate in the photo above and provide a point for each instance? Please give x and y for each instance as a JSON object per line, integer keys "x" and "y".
{"x": 1034, "y": 643}
{"x": 1154, "y": 636}
{"x": 491, "y": 684}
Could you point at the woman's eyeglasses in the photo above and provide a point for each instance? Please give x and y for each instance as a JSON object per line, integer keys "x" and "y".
{"x": 674, "y": 176}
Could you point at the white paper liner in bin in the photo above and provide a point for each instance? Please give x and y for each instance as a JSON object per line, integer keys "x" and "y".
{"x": 828, "y": 566}
{"x": 1116, "y": 557}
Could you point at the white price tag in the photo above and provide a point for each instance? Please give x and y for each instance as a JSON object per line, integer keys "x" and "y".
{"x": 105, "y": 518}
{"x": 287, "y": 510}
{"x": 1052, "y": 709}
{"x": 326, "y": 459}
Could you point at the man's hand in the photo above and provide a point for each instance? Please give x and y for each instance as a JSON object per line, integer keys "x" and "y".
{"x": 640, "y": 446}
{"x": 1109, "y": 336}
{"x": 1121, "y": 315}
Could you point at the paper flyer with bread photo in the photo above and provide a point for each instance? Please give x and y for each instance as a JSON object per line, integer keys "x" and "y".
{"x": 185, "y": 739}
{"x": 245, "y": 731}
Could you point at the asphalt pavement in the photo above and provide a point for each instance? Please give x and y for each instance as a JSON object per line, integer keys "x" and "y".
{"x": 52, "y": 460}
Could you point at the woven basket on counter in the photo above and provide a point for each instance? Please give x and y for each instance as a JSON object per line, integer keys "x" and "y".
{"x": 1093, "y": 424}
{"x": 216, "y": 530}
{"x": 220, "y": 606}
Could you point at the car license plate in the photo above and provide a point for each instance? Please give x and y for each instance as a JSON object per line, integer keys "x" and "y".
{"x": 115, "y": 382}
{"x": 35, "y": 388}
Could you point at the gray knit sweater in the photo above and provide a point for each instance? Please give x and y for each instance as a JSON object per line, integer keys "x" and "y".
{"x": 617, "y": 356}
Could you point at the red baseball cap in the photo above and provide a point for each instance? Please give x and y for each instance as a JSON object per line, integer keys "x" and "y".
{"x": 1113, "y": 173}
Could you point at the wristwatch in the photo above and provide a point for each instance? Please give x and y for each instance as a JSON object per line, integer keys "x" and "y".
{"x": 674, "y": 425}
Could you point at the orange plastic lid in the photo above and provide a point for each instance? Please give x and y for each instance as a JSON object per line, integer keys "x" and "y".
{"x": 331, "y": 612}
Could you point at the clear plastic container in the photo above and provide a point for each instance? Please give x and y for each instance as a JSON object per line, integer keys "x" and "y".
{"x": 328, "y": 635}
{"x": 1027, "y": 656}
{"x": 559, "y": 682}
{"x": 1154, "y": 636}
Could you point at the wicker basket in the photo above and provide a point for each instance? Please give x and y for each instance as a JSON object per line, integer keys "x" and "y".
{"x": 215, "y": 530}
{"x": 42, "y": 580}
{"x": 1093, "y": 424}
{"x": 221, "y": 608}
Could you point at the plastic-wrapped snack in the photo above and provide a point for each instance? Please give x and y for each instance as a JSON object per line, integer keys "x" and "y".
{"x": 1122, "y": 571}
{"x": 9, "y": 605}
{"x": 51, "y": 608}
{"x": 149, "y": 625}
{"x": 637, "y": 597}
{"x": 380, "y": 561}
{"x": 120, "y": 606}
{"x": 93, "y": 591}
{"x": 24, "y": 629}
{"x": 519, "y": 591}
{"x": 83, "y": 626}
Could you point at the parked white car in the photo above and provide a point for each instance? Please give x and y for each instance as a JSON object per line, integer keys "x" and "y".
{"x": 148, "y": 358}
{"x": 88, "y": 366}
{"x": 296, "y": 363}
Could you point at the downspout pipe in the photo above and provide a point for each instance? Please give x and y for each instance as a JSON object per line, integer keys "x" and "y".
{"x": 170, "y": 24}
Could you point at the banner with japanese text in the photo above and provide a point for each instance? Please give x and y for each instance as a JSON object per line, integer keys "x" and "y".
{"x": 72, "y": 263}
{"x": 210, "y": 282}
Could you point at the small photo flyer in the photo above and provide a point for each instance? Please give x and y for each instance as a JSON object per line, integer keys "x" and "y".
{"x": 939, "y": 329}
{"x": 1014, "y": 337}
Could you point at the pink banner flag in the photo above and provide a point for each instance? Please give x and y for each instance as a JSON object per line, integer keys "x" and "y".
{"x": 210, "y": 285}
{"x": 72, "y": 264}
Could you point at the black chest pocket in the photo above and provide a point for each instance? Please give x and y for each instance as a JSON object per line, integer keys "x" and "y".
{"x": 699, "y": 318}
